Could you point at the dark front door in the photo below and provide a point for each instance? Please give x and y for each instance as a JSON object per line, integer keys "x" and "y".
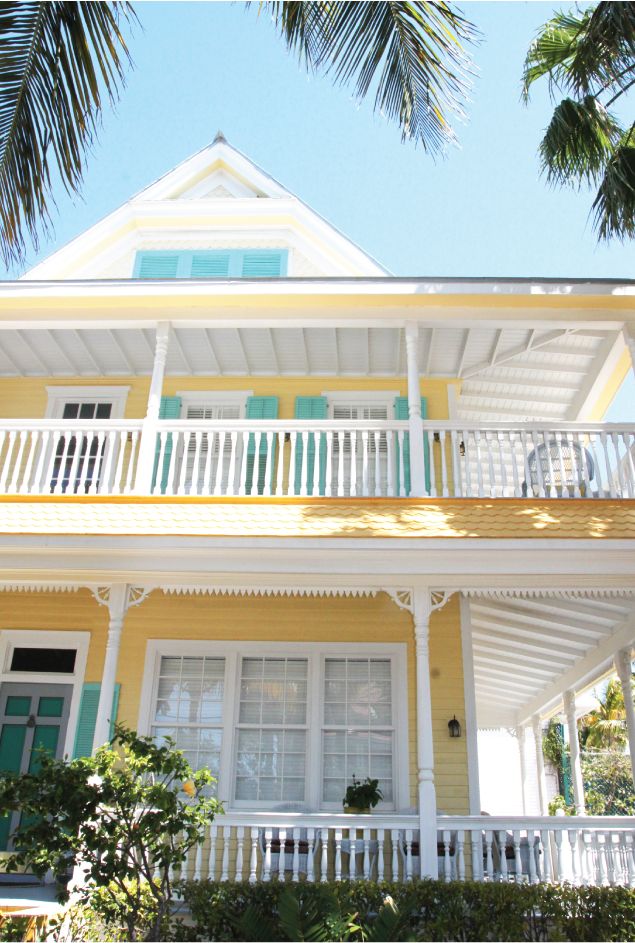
{"x": 33, "y": 721}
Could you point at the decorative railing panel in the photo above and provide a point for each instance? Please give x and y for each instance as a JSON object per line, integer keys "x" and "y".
{"x": 321, "y": 847}
{"x": 319, "y": 458}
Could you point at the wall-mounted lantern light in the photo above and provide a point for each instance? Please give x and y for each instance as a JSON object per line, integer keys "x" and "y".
{"x": 454, "y": 727}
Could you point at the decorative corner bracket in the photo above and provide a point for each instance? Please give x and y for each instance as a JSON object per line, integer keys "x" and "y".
{"x": 134, "y": 595}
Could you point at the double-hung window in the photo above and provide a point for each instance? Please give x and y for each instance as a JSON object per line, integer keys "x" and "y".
{"x": 284, "y": 725}
{"x": 351, "y": 449}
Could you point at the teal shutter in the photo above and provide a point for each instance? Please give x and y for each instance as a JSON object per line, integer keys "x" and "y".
{"x": 401, "y": 412}
{"x": 88, "y": 705}
{"x": 213, "y": 263}
{"x": 310, "y": 407}
{"x": 170, "y": 408}
{"x": 154, "y": 264}
{"x": 260, "y": 407}
{"x": 264, "y": 263}
{"x": 210, "y": 264}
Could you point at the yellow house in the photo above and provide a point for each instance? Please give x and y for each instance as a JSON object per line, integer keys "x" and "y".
{"x": 313, "y": 521}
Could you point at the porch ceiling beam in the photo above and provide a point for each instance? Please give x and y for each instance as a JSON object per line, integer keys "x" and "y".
{"x": 495, "y": 630}
{"x": 504, "y": 663}
{"x": 149, "y": 345}
{"x": 52, "y": 340}
{"x": 593, "y": 611}
{"x": 493, "y": 694}
{"x": 530, "y": 344}
{"x": 273, "y": 351}
{"x": 87, "y": 352}
{"x": 502, "y": 678}
{"x": 305, "y": 351}
{"x": 463, "y": 352}
{"x": 178, "y": 347}
{"x": 44, "y": 367}
{"x": 496, "y": 380}
{"x": 427, "y": 360}
{"x": 535, "y": 398}
{"x": 518, "y": 618}
{"x": 215, "y": 365}
{"x": 543, "y": 366}
{"x": 495, "y": 346}
{"x": 336, "y": 349}
{"x": 546, "y": 660}
{"x": 583, "y": 672}
{"x": 598, "y": 375}
{"x": 122, "y": 353}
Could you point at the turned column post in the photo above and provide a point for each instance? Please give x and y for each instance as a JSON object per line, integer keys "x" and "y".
{"x": 147, "y": 448}
{"x": 536, "y": 727}
{"x": 623, "y": 668}
{"x": 417, "y": 459}
{"x": 574, "y": 751}
{"x": 117, "y": 604}
{"x": 422, "y": 610}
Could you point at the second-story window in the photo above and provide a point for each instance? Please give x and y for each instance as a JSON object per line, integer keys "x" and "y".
{"x": 210, "y": 263}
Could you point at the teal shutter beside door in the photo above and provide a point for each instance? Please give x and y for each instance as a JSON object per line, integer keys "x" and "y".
{"x": 401, "y": 412}
{"x": 310, "y": 407}
{"x": 170, "y": 408}
{"x": 88, "y": 705}
{"x": 260, "y": 407}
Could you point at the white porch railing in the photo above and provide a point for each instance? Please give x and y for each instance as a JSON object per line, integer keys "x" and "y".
{"x": 317, "y": 457}
{"x": 321, "y": 847}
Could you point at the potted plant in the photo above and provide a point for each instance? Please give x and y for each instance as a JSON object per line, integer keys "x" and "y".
{"x": 361, "y": 797}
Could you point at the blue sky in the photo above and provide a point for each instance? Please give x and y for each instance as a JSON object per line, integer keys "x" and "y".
{"x": 483, "y": 210}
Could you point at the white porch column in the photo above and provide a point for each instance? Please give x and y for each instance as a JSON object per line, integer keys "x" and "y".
{"x": 521, "y": 738}
{"x": 536, "y": 727}
{"x": 417, "y": 461}
{"x": 147, "y": 448}
{"x": 471, "y": 720}
{"x": 623, "y": 668}
{"x": 629, "y": 337}
{"x": 117, "y": 603}
{"x": 574, "y": 751}
{"x": 421, "y": 611}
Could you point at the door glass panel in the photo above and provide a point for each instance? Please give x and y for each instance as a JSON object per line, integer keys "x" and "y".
{"x": 50, "y": 707}
{"x": 18, "y": 706}
{"x": 57, "y": 660}
{"x": 44, "y": 742}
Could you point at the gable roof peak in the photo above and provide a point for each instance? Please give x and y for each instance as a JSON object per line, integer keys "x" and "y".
{"x": 220, "y": 138}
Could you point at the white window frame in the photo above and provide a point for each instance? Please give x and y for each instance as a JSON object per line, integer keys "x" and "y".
{"x": 316, "y": 654}
{"x": 27, "y": 638}
{"x": 59, "y": 396}
{"x": 361, "y": 398}
{"x": 204, "y": 399}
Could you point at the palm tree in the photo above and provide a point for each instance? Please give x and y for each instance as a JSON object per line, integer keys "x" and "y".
{"x": 604, "y": 728}
{"x": 59, "y": 61}
{"x": 589, "y": 56}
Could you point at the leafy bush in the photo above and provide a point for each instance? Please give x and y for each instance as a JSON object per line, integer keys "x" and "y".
{"x": 608, "y": 784}
{"x": 125, "y": 817}
{"x": 420, "y": 910}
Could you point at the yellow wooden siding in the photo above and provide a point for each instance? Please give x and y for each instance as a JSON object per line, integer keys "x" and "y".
{"x": 26, "y": 397}
{"x": 273, "y": 619}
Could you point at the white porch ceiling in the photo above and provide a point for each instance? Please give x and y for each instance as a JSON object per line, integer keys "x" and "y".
{"x": 509, "y": 373}
{"x": 527, "y": 649}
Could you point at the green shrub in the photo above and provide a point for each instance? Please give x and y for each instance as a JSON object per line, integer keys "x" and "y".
{"x": 421, "y": 910}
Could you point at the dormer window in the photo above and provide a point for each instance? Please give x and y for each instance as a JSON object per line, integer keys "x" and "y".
{"x": 210, "y": 263}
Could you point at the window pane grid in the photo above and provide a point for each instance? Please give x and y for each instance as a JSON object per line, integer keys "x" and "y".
{"x": 357, "y": 738}
{"x": 189, "y": 707}
{"x": 271, "y": 744}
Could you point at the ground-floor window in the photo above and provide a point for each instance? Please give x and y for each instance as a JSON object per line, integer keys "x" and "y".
{"x": 283, "y": 725}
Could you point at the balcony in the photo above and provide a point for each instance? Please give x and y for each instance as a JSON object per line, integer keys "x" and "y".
{"x": 318, "y": 847}
{"x": 330, "y": 459}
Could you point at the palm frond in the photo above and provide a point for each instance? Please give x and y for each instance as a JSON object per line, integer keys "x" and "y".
{"x": 553, "y": 50}
{"x": 579, "y": 141}
{"x": 412, "y": 54}
{"x": 58, "y": 61}
{"x": 614, "y": 204}
{"x": 584, "y": 53}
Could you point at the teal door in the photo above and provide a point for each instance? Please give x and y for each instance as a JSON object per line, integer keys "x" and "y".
{"x": 33, "y": 720}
